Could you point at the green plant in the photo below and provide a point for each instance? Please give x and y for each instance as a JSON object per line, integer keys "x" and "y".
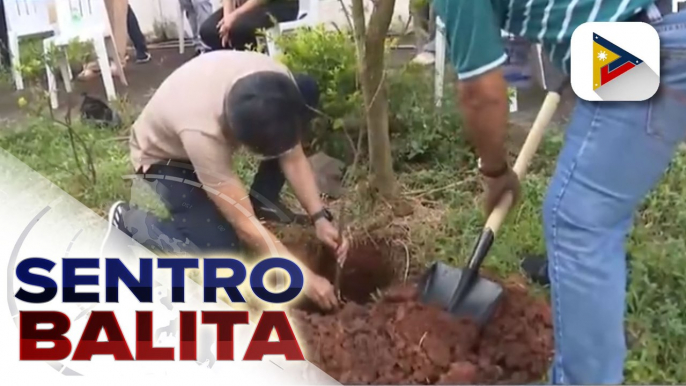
{"x": 418, "y": 5}
{"x": 70, "y": 156}
{"x": 34, "y": 58}
{"x": 34, "y": 61}
{"x": 420, "y": 131}
{"x": 329, "y": 57}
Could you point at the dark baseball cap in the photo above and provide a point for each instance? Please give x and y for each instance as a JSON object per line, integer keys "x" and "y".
{"x": 265, "y": 111}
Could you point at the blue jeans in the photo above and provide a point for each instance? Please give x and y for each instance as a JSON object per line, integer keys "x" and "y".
{"x": 135, "y": 34}
{"x": 614, "y": 154}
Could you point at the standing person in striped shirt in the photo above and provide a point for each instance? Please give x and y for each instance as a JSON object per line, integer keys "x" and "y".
{"x": 614, "y": 154}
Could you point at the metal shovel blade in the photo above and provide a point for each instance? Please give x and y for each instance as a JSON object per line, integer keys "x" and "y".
{"x": 439, "y": 283}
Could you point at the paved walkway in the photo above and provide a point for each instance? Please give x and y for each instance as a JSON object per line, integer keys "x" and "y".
{"x": 143, "y": 79}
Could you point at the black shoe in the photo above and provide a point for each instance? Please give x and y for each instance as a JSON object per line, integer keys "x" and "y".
{"x": 115, "y": 219}
{"x": 536, "y": 268}
{"x": 277, "y": 212}
{"x": 143, "y": 59}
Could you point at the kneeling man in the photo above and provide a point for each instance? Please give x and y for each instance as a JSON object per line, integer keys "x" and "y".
{"x": 183, "y": 144}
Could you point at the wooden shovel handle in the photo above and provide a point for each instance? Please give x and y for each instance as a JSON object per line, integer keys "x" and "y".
{"x": 533, "y": 139}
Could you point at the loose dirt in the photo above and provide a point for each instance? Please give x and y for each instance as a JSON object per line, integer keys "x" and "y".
{"x": 388, "y": 337}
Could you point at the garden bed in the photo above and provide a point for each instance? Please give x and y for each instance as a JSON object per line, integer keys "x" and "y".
{"x": 383, "y": 335}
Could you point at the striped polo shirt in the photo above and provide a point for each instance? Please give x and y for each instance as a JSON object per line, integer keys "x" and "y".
{"x": 473, "y": 27}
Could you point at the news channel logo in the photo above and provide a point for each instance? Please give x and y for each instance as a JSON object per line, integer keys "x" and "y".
{"x": 615, "y": 61}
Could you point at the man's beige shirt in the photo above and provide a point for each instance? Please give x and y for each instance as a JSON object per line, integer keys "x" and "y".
{"x": 182, "y": 121}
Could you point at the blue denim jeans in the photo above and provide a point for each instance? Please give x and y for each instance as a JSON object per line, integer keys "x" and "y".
{"x": 614, "y": 154}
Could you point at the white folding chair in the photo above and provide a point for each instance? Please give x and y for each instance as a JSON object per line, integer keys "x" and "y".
{"x": 180, "y": 30}
{"x": 181, "y": 26}
{"x": 308, "y": 16}
{"x": 439, "y": 65}
{"x": 84, "y": 21}
{"x": 25, "y": 18}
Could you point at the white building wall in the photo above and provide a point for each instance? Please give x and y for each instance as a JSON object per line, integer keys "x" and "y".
{"x": 160, "y": 12}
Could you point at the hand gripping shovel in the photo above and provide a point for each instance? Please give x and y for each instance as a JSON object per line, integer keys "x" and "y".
{"x": 461, "y": 291}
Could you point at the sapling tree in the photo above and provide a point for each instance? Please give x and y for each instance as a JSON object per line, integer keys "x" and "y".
{"x": 370, "y": 39}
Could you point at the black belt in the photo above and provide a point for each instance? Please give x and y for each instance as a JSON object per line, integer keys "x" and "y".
{"x": 177, "y": 163}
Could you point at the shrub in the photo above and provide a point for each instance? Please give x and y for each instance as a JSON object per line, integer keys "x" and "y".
{"x": 329, "y": 57}
{"x": 420, "y": 131}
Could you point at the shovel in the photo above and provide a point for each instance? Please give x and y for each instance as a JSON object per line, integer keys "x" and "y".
{"x": 462, "y": 292}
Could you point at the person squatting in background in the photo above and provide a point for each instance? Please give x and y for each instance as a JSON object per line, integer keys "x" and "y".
{"x": 235, "y": 25}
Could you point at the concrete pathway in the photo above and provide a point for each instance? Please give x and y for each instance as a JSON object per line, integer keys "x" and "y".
{"x": 143, "y": 79}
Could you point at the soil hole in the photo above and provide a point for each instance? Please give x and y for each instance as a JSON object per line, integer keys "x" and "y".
{"x": 368, "y": 269}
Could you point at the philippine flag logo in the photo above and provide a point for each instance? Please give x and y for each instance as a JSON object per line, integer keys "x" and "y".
{"x": 610, "y": 61}
{"x": 624, "y": 61}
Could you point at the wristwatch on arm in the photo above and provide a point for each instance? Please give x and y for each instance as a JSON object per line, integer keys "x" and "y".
{"x": 324, "y": 213}
{"x": 493, "y": 173}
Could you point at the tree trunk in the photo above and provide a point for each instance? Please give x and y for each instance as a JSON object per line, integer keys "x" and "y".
{"x": 370, "y": 42}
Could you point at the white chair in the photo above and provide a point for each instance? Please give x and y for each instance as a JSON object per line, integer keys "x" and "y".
{"x": 439, "y": 62}
{"x": 181, "y": 26}
{"x": 439, "y": 65}
{"x": 25, "y": 18}
{"x": 308, "y": 16}
{"x": 84, "y": 21}
{"x": 180, "y": 30}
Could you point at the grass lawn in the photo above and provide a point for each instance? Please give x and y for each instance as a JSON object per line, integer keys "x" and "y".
{"x": 435, "y": 169}
{"x": 446, "y": 219}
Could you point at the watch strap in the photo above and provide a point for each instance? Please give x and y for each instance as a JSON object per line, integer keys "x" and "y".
{"x": 324, "y": 213}
{"x": 493, "y": 173}
{"x": 497, "y": 173}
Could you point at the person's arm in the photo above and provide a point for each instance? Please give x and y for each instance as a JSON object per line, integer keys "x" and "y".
{"x": 212, "y": 164}
{"x": 232, "y": 200}
{"x": 476, "y": 51}
{"x": 298, "y": 171}
{"x": 248, "y": 6}
{"x": 228, "y": 6}
{"x": 485, "y": 109}
{"x": 231, "y": 13}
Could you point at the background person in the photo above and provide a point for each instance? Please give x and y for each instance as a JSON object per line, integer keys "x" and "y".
{"x": 137, "y": 37}
{"x": 235, "y": 26}
{"x": 196, "y": 11}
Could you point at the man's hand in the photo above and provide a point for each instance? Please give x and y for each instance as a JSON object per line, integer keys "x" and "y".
{"x": 495, "y": 189}
{"x": 329, "y": 235}
{"x": 320, "y": 291}
{"x": 224, "y": 27}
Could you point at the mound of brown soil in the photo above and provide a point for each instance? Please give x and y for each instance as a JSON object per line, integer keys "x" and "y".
{"x": 399, "y": 341}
